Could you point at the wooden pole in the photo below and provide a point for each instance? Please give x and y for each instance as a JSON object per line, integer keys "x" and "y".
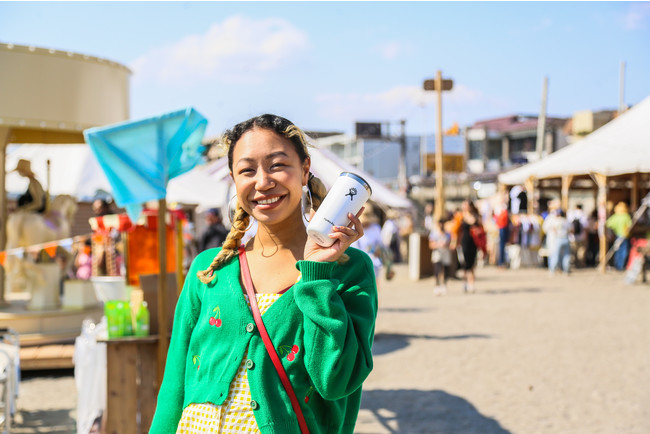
{"x": 5, "y": 134}
{"x": 529, "y": 184}
{"x": 634, "y": 199}
{"x": 49, "y": 181}
{"x": 566, "y": 184}
{"x": 180, "y": 277}
{"x": 403, "y": 175}
{"x": 440, "y": 192}
{"x": 601, "y": 181}
{"x": 541, "y": 121}
{"x": 163, "y": 333}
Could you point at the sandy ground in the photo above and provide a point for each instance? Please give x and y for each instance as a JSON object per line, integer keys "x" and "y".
{"x": 527, "y": 353}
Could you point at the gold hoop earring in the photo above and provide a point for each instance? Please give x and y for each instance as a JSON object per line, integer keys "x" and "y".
{"x": 306, "y": 208}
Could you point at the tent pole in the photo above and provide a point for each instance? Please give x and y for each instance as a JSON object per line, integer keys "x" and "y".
{"x": 180, "y": 277}
{"x": 634, "y": 200}
{"x": 163, "y": 333}
{"x": 601, "y": 180}
{"x": 5, "y": 134}
{"x": 566, "y": 184}
{"x": 529, "y": 184}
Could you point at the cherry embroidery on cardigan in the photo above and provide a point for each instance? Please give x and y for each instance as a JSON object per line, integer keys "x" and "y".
{"x": 291, "y": 351}
{"x": 311, "y": 389}
{"x": 196, "y": 359}
{"x": 216, "y": 319}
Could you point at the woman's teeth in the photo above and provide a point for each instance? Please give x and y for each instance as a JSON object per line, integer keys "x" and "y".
{"x": 268, "y": 201}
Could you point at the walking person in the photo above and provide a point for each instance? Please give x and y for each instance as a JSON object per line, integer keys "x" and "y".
{"x": 318, "y": 305}
{"x": 502, "y": 220}
{"x": 468, "y": 246}
{"x": 556, "y": 227}
{"x": 620, "y": 223}
{"x": 372, "y": 242}
{"x": 390, "y": 235}
{"x": 439, "y": 241}
{"x": 215, "y": 233}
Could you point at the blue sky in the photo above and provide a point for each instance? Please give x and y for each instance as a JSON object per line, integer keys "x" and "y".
{"x": 325, "y": 65}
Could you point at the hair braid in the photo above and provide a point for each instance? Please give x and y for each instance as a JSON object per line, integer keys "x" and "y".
{"x": 230, "y": 245}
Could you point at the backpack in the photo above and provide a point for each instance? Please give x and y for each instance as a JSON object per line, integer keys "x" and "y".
{"x": 479, "y": 237}
{"x": 576, "y": 226}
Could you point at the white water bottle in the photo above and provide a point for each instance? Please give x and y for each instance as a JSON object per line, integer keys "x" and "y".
{"x": 347, "y": 195}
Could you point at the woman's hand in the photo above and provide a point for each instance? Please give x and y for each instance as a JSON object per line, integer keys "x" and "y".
{"x": 343, "y": 236}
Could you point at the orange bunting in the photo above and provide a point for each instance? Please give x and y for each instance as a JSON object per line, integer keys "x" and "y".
{"x": 50, "y": 250}
{"x": 3, "y": 258}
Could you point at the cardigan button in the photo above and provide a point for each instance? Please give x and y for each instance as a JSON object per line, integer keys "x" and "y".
{"x": 250, "y": 327}
{"x": 250, "y": 364}
{"x": 254, "y": 405}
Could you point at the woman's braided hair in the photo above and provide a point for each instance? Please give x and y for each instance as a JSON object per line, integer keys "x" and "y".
{"x": 241, "y": 219}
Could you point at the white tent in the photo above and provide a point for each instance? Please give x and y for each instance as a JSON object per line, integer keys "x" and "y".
{"x": 619, "y": 147}
{"x": 74, "y": 170}
{"x": 327, "y": 166}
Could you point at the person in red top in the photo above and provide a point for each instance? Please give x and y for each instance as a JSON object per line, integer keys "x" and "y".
{"x": 503, "y": 223}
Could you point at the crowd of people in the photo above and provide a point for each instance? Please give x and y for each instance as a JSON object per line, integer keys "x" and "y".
{"x": 505, "y": 233}
{"x": 499, "y": 232}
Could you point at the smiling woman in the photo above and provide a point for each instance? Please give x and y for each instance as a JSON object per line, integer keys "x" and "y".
{"x": 301, "y": 369}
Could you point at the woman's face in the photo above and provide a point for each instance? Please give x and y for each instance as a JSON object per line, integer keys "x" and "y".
{"x": 268, "y": 176}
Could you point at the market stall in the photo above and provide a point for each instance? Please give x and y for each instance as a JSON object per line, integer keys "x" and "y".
{"x": 613, "y": 161}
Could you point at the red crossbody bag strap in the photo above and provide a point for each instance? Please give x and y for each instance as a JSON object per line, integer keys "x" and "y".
{"x": 270, "y": 349}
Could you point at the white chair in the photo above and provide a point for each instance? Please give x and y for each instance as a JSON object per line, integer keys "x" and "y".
{"x": 9, "y": 376}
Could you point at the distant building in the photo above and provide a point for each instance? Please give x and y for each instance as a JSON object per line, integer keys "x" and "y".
{"x": 587, "y": 121}
{"x": 380, "y": 156}
{"x": 497, "y": 144}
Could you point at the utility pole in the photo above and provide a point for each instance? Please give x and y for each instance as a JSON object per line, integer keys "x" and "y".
{"x": 541, "y": 122}
{"x": 621, "y": 90}
{"x": 402, "y": 175}
{"x": 438, "y": 85}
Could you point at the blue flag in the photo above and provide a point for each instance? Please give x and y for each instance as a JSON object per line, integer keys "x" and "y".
{"x": 140, "y": 157}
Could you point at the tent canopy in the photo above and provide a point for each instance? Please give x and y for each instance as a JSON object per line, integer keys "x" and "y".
{"x": 327, "y": 166}
{"x": 619, "y": 147}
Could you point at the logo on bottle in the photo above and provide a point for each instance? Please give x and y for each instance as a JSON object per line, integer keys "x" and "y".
{"x": 352, "y": 193}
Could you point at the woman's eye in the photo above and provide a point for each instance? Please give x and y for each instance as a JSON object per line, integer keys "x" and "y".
{"x": 277, "y": 165}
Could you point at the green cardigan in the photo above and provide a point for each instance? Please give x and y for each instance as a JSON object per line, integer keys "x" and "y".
{"x": 322, "y": 329}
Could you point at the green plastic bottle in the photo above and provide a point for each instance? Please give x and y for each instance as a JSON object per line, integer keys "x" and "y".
{"x": 113, "y": 310}
{"x": 127, "y": 318}
{"x": 112, "y": 318}
{"x": 142, "y": 320}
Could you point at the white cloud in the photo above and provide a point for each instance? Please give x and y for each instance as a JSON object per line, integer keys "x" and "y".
{"x": 392, "y": 49}
{"x": 638, "y": 16}
{"x": 239, "y": 49}
{"x": 394, "y": 103}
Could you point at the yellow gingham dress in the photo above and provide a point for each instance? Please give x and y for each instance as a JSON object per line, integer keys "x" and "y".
{"x": 235, "y": 414}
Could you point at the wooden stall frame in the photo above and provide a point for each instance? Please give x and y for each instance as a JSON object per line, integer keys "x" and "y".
{"x": 132, "y": 384}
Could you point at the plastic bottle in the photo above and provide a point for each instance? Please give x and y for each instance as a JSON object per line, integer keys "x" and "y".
{"x": 110, "y": 310}
{"x": 114, "y": 318}
{"x": 127, "y": 319}
{"x": 142, "y": 320}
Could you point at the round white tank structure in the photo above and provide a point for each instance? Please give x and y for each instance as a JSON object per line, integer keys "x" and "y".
{"x": 51, "y": 90}
{"x": 51, "y": 96}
